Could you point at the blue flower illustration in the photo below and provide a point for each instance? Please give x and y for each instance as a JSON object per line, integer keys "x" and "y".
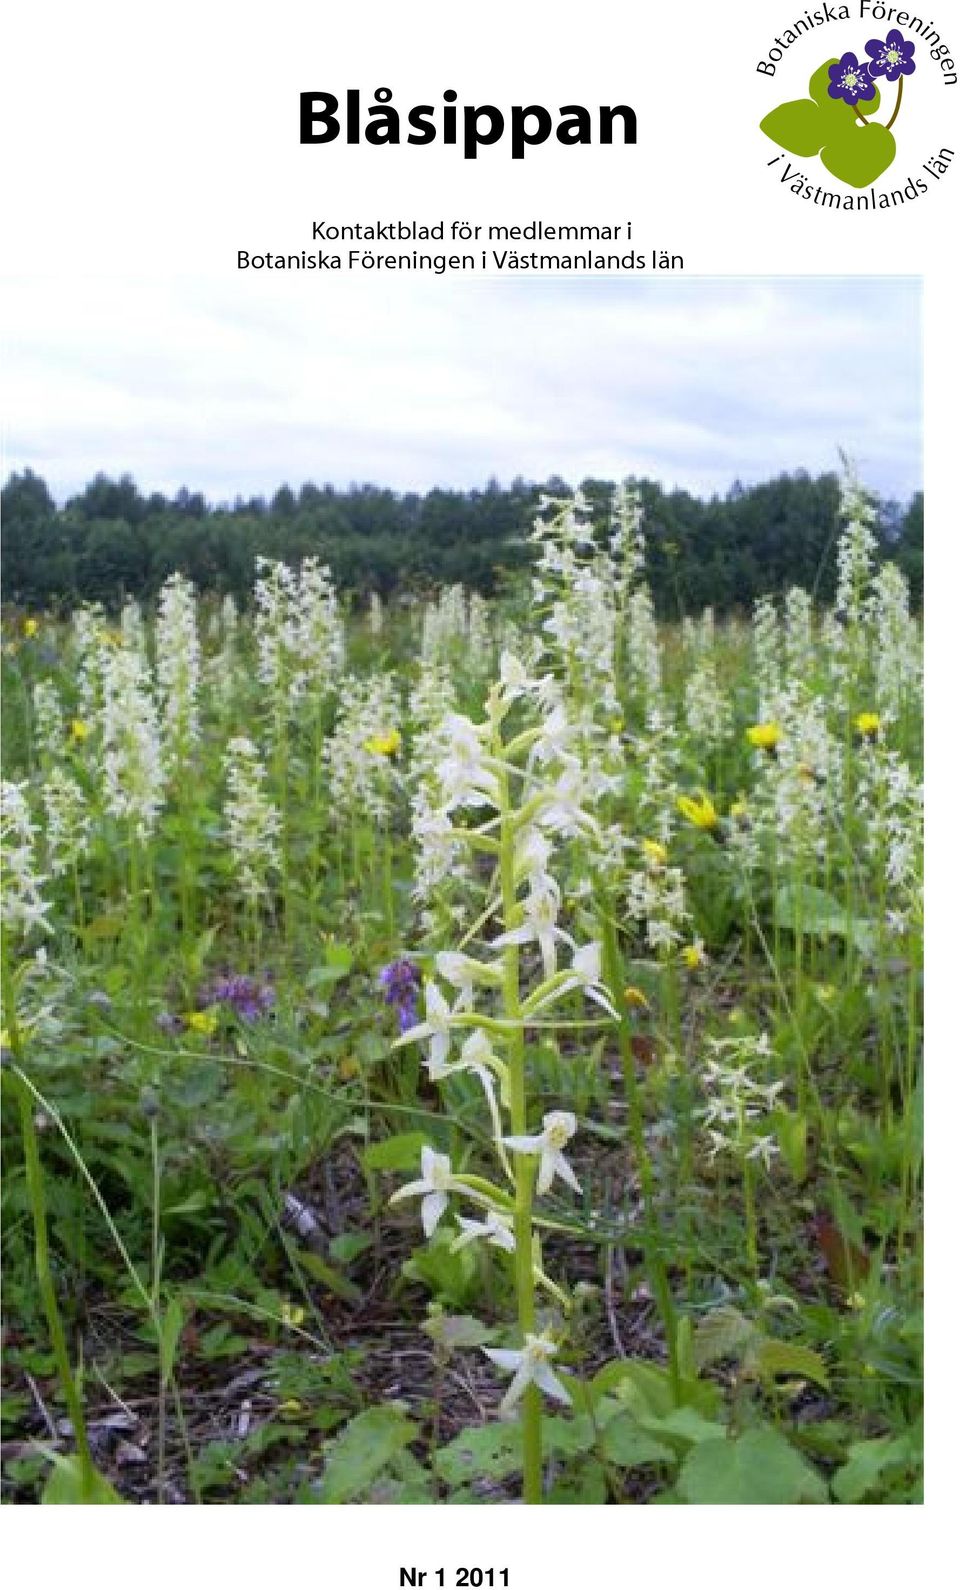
{"x": 891, "y": 57}
{"x": 850, "y": 81}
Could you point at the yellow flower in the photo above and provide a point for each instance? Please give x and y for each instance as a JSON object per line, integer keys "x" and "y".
{"x": 79, "y": 730}
{"x": 636, "y": 997}
{"x": 701, "y": 812}
{"x": 293, "y": 1314}
{"x": 202, "y": 1021}
{"x": 764, "y": 736}
{"x": 692, "y": 956}
{"x": 31, "y": 627}
{"x": 867, "y": 724}
{"x": 383, "y": 744}
{"x": 655, "y": 852}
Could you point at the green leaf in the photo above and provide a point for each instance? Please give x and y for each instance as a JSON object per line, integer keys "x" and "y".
{"x": 771, "y": 1357}
{"x": 362, "y": 1449}
{"x": 628, "y": 1446}
{"x": 585, "y": 1485}
{"x": 68, "y": 1485}
{"x": 798, "y": 126}
{"x": 831, "y": 128}
{"x": 759, "y": 1467}
{"x": 330, "y": 1278}
{"x": 491, "y": 1450}
{"x": 395, "y": 1153}
{"x": 647, "y": 1386}
{"x": 496, "y": 1450}
{"x": 868, "y": 1462}
{"x": 452, "y": 1331}
{"x": 169, "y": 1338}
{"x": 803, "y": 908}
{"x": 859, "y": 155}
{"x": 791, "y": 1130}
{"x": 722, "y": 1334}
{"x": 683, "y": 1427}
{"x": 349, "y": 1245}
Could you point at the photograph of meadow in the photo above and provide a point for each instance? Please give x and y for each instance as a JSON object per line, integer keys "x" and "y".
{"x": 462, "y": 982}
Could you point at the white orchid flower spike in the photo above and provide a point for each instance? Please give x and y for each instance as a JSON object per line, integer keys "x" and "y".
{"x": 531, "y": 1367}
{"x": 558, "y": 1128}
{"x": 434, "y": 1186}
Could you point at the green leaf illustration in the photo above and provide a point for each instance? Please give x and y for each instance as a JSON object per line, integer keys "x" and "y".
{"x": 798, "y": 126}
{"x": 859, "y": 156}
{"x": 832, "y": 129}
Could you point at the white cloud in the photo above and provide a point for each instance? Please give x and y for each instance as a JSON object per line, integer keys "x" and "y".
{"x": 413, "y": 382}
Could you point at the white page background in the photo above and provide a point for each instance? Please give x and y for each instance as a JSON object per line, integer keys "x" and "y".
{"x": 152, "y": 143}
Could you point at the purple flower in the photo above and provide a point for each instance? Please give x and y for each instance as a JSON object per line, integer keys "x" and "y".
{"x": 850, "y": 81}
{"x": 400, "y": 981}
{"x": 249, "y": 998}
{"x": 891, "y": 57}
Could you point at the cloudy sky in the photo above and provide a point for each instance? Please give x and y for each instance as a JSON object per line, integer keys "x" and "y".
{"x": 241, "y": 385}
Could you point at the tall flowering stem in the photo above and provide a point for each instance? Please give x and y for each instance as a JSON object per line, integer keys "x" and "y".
{"x": 524, "y": 1166}
{"x": 528, "y": 791}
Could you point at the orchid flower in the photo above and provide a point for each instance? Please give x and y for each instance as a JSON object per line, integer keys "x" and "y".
{"x": 495, "y": 1229}
{"x": 540, "y": 909}
{"x": 531, "y": 1367}
{"x": 435, "y": 1185}
{"x": 436, "y": 1028}
{"x": 558, "y": 1128}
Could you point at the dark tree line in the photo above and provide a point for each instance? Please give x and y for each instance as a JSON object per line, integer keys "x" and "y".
{"x": 111, "y": 540}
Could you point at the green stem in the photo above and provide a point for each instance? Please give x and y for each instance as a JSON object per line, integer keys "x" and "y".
{"x": 38, "y": 1210}
{"x": 524, "y": 1164}
{"x": 613, "y": 971}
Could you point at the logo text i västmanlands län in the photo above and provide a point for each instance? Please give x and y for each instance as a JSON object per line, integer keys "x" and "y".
{"x": 885, "y": 66}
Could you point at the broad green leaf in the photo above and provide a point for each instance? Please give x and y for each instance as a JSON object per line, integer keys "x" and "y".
{"x": 770, "y": 1357}
{"x": 791, "y": 1131}
{"x": 683, "y": 1427}
{"x": 859, "y": 155}
{"x": 722, "y": 1334}
{"x": 805, "y": 909}
{"x": 496, "y": 1450}
{"x": 868, "y": 1461}
{"x": 798, "y": 126}
{"x": 362, "y": 1449}
{"x": 491, "y": 1450}
{"x": 647, "y": 1386}
{"x": 395, "y": 1153}
{"x": 68, "y": 1486}
{"x": 452, "y": 1331}
{"x": 625, "y": 1444}
{"x": 854, "y": 153}
{"x": 759, "y": 1467}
